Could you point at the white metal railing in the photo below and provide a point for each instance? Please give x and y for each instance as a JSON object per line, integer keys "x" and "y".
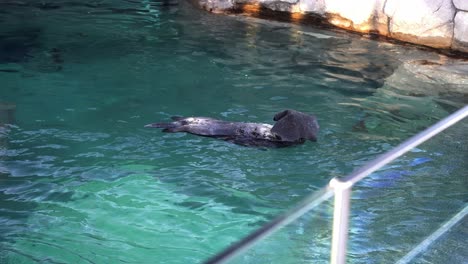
{"x": 341, "y": 188}
{"x": 434, "y": 236}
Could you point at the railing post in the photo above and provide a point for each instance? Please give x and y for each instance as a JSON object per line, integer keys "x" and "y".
{"x": 340, "y": 220}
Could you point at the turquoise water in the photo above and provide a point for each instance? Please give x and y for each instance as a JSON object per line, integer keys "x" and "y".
{"x": 81, "y": 180}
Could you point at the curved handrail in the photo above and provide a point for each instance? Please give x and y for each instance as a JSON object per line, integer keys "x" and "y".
{"x": 341, "y": 188}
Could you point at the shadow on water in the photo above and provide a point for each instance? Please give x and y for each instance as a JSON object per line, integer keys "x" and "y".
{"x": 102, "y": 5}
{"x": 17, "y": 46}
{"x": 23, "y": 43}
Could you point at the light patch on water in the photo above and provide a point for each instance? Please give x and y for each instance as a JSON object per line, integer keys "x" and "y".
{"x": 136, "y": 213}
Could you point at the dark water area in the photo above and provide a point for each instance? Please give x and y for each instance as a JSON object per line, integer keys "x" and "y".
{"x": 82, "y": 181}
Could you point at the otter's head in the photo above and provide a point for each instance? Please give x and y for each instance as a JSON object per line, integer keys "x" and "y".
{"x": 294, "y": 126}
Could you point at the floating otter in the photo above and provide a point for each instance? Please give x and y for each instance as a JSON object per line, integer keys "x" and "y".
{"x": 291, "y": 128}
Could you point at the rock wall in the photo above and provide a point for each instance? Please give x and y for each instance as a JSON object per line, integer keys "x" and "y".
{"x": 440, "y": 24}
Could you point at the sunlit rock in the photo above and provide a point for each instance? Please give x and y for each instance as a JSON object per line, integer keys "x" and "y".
{"x": 426, "y": 22}
{"x": 285, "y": 1}
{"x": 461, "y": 4}
{"x": 283, "y": 6}
{"x": 216, "y": 6}
{"x": 314, "y": 6}
{"x": 460, "y": 41}
{"x": 362, "y": 16}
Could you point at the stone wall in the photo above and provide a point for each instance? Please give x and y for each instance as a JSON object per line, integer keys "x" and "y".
{"x": 440, "y": 24}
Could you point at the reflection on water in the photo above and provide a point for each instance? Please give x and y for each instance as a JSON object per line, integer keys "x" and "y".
{"x": 413, "y": 187}
{"x": 7, "y": 119}
{"x": 81, "y": 180}
{"x": 7, "y": 113}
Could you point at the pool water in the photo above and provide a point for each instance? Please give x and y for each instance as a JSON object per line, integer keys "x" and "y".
{"x": 82, "y": 181}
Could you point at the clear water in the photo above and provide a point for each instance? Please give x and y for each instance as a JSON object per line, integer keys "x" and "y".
{"x": 81, "y": 180}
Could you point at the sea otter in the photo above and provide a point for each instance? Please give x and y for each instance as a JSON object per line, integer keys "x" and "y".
{"x": 291, "y": 128}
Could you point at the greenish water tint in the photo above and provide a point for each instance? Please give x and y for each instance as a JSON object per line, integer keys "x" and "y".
{"x": 81, "y": 180}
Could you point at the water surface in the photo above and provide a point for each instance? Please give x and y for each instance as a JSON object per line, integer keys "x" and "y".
{"x": 81, "y": 180}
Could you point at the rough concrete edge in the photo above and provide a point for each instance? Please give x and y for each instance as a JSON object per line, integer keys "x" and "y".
{"x": 458, "y": 45}
{"x": 323, "y": 20}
